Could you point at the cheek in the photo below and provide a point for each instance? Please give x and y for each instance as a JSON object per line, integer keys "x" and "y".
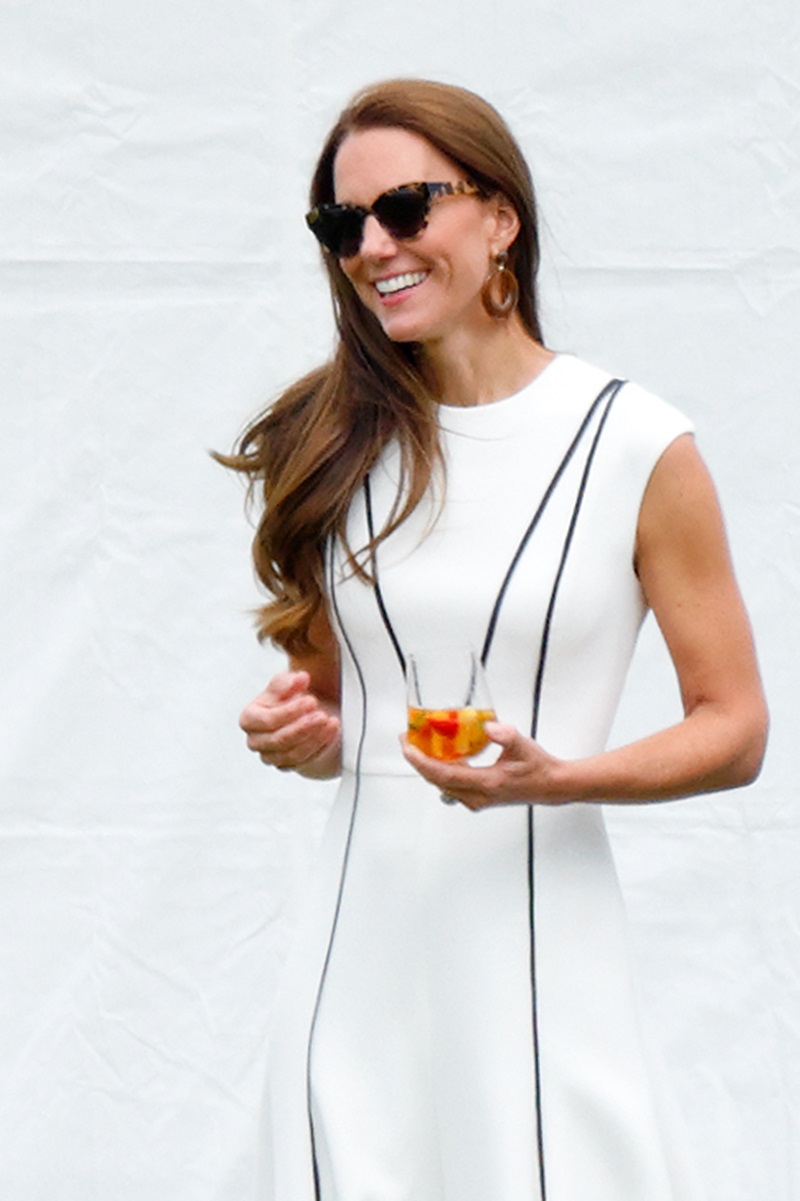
{"x": 470, "y": 269}
{"x": 354, "y": 279}
{"x": 469, "y": 258}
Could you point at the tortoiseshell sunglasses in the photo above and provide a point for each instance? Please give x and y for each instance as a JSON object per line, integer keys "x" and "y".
{"x": 402, "y": 211}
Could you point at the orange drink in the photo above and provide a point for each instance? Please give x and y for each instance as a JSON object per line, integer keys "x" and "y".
{"x": 448, "y": 733}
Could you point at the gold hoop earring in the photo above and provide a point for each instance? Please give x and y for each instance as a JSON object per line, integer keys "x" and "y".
{"x": 500, "y": 292}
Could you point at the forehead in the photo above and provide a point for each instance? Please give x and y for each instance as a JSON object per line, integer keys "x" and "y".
{"x": 371, "y": 160}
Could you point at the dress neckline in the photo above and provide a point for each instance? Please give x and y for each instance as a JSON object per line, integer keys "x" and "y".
{"x": 495, "y": 405}
{"x": 547, "y": 394}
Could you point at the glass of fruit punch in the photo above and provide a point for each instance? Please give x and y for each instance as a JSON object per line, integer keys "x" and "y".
{"x": 448, "y": 703}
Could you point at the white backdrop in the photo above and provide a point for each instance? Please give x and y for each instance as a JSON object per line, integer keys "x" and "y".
{"x": 158, "y": 287}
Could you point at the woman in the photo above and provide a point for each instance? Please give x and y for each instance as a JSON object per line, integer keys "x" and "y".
{"x": 457, "y": 1021}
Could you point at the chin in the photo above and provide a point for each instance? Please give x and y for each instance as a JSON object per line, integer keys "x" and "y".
{"x": 408, "y": 327}
{"x": 404, "y": 338}
{"x": 402, "y": 331}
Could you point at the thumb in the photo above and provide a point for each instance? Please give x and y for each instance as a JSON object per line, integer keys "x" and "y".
{"x": 288, "y": 683}
{"x": 507, "y": 737}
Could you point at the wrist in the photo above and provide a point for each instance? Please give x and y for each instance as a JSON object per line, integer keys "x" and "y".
{"x": 325, "y": 765}
{"x": 560, "y": 781}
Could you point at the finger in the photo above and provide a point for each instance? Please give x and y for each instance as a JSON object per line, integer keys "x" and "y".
{"x": 302, "y": 751}
{"x": 429, "y": 768}
{"x": 287, "y": 684}
{"x": 309, "y": 751}
{"x": 450, "y": 778}
{"x": 289, "y": 739}
{"x": 508, "y": 737}
{"x": 265, "y": 716}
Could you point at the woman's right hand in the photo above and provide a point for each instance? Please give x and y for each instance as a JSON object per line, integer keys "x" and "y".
{"x": 293, "y": 729}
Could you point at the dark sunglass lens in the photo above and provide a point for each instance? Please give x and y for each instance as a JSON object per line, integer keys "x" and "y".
{"x": 338, "y": 229}
{"x": 349, "y": 233}
{"x": 403, "y": 211}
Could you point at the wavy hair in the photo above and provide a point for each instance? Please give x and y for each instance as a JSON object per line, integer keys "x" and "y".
{"x": 309, "y": 452}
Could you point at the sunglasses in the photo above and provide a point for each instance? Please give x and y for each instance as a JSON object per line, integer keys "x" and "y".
{"x": 403, "y": 213}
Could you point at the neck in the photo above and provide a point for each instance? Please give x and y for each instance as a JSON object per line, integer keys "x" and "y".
{"x": 476, "y": 371}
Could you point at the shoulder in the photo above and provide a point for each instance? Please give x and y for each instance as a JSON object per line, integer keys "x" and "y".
{"x": 680, "y": 506}
{"x": 638, "y": 417}
{"x": 639, "y": 428}
{"x": 647, "y": 421}
{"x": 634, "y": 429}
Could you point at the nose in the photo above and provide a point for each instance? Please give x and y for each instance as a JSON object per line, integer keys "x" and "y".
{"x": 376, "y": 242}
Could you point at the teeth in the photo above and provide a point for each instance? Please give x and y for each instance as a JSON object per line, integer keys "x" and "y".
{"x": 398, "y": 282}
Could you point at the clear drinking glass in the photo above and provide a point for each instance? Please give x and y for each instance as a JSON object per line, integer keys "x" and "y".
{"x": 448, "y": 703}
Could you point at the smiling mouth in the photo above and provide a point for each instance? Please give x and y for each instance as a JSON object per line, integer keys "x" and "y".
{"x": 399, "y": 283}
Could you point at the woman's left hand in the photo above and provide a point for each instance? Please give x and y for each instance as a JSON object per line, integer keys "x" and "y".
{"x": 684, "y": 569}
{"x": 523, "y": 772}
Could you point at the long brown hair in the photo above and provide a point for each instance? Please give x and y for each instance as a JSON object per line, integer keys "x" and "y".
{"x": 310, "y": 451}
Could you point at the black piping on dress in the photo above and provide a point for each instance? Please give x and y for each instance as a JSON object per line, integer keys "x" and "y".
{"x": 605, "y": 397}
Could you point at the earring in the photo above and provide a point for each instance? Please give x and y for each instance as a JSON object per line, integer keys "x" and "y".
{"x": 500, "y": 292}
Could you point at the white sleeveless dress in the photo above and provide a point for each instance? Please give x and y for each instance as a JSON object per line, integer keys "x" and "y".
{"x": 457, "y": 1020}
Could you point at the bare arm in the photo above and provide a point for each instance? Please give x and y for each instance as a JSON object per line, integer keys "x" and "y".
{"x": 294, "y": 724}
{"x": 684, "y": 566}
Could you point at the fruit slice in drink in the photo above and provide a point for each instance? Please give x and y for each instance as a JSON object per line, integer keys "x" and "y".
{"x": 448, "y": 733}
